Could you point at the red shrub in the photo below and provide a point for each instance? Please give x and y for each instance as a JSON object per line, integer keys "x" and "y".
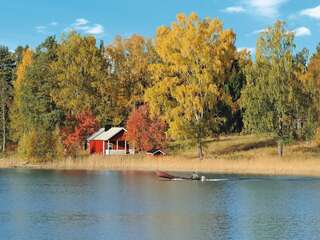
{"x": 77, "y": 129}
{"x": 145, "y": 133}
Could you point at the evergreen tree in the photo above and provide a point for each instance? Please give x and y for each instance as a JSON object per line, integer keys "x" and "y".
{"x": 233, "y": 86}
{"x": 38, "y": 110}
{"x": 7, "y": 66}
{"x": 19, "y": 53}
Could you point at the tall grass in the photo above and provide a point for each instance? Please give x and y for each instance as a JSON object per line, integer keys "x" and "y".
{"x": 247, "y": 154}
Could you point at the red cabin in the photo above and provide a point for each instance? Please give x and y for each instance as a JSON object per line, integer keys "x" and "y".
{"x": 109, "y": 142}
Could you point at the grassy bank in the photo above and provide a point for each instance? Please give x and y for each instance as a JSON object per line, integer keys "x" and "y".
{"x": 232, "y": 154}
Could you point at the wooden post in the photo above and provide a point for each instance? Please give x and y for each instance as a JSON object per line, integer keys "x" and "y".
{"x": 109, "y": 147}
{"x": 117, "y": 145}
{"x": 103, "y": 148}
{"x": 125, "y": 146}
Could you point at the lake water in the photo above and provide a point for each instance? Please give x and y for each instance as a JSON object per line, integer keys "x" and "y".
{"x": 85, "y": 205}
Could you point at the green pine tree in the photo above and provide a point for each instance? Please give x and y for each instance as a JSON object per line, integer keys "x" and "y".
{"x": 7, "y": 66}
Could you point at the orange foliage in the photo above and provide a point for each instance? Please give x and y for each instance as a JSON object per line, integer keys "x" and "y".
{"x": 145, "y": 133}
{"x": 79, "y": 128}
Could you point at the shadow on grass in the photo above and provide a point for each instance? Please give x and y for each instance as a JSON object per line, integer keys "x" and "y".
{"x": 246, "y": 146}
{"x": 208, "y": 141}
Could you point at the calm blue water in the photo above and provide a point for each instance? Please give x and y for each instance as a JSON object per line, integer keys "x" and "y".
{"x": 113, "y": 205}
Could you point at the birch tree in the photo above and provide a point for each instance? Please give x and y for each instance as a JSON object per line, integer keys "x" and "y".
{"x": 312, "y": 81}
{"x": 78, "y": 72}
{"x": 195, "y": 58}
{"x": 274, "y": 99}
{"x": 128, "y": 73}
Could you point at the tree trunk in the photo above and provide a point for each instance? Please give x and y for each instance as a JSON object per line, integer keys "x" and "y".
{"x": 280, "y": 148}
{"x": 280, "y": 135}
{"x": 200, "y": 150}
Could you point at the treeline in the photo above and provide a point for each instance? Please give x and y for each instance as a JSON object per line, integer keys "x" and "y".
{"x": 190, "y": 82}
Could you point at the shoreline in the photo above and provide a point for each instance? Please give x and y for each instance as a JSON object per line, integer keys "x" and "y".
{"x": 275, "y": 166}
{"x": 238, "y": 154}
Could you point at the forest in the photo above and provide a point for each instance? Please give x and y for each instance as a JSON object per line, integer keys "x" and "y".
{"x": 188, "y": 83}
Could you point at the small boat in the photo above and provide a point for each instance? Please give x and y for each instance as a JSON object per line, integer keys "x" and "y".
{"x": 167, "y": 176}
{"x": 164, "y": 175}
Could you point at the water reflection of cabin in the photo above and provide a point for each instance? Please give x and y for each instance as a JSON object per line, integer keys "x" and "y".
{"x": 109, "y": 142}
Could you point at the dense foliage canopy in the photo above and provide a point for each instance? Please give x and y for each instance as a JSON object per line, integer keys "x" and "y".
{"x": 196, "y": 57}
{"x": 188, "y": 83}
{"x": 275, "y": 99}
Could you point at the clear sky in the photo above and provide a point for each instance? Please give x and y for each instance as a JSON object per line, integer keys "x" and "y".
{"x": 30, "y": 21}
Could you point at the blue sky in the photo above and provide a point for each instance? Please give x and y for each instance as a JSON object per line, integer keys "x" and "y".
{"x": 29, "y": 22}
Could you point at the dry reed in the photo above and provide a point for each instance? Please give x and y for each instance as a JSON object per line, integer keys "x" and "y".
{"x": 233, "y": 154}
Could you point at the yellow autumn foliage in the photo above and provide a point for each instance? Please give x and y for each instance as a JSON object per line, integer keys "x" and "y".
{"x": 17, "y": 122}
{"x": 196, "y": 56}
{"x": 78, "y": 72}
{"x": 38, "y": 145}
{"x": 129, "y": 77}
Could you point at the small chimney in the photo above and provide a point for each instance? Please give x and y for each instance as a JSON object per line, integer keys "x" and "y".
{"x": 107, "y": 127}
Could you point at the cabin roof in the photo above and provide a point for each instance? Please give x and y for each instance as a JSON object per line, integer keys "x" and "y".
{"x": 97, "y": 133}
{"x": 103, "y": 135}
